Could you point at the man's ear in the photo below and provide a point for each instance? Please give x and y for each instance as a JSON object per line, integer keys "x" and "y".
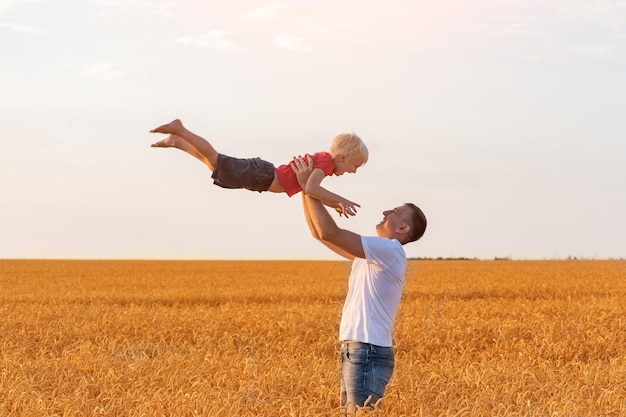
{"x": 403, "y": 229}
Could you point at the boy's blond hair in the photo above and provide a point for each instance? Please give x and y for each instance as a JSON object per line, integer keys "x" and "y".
{"x": 349, "y": 145}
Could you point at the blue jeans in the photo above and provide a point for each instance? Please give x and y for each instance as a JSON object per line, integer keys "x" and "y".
{"x": 365, "y": 371}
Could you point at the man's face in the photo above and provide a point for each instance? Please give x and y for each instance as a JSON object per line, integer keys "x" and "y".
{"x": 393, "y": 220}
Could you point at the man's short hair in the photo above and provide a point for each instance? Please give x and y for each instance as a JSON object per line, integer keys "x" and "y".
{"x": 418, "y": 223}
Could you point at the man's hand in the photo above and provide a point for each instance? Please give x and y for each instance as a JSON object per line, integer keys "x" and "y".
{"x": 303, "y": 168}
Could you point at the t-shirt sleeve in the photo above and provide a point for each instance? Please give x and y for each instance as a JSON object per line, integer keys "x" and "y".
{"x": 380, "y": 251}
{"x": 324, "y": 161}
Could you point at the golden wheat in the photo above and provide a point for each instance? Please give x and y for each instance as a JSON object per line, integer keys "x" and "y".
{"x": 150, "y": 338}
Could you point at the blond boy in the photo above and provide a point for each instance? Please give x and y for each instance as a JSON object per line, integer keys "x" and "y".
{"x": 346, "y": 154}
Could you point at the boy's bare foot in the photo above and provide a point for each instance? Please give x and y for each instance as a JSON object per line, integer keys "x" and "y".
{"x": 171, "y": 141}
{"x": 174, "y": 128}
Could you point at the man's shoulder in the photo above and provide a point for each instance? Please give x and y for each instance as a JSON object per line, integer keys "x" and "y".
{"x": 382, "y": 244}
{"x": 385, "y": 254}
{"x": 382, "y": 240}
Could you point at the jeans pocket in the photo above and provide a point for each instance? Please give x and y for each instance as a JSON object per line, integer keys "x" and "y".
{"x": 356, "y": 355}
{"x": 381, "y": 375}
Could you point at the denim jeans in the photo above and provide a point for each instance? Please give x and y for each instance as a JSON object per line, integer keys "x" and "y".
{"x": 365, "y": 371}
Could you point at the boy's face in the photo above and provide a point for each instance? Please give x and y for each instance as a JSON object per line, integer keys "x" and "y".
{"x": 343, "y": 165}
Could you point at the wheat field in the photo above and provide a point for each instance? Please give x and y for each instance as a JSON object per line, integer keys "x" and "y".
{"x": 258, "y": 338}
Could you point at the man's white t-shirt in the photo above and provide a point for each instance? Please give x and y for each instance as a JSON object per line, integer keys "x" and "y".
{"x": 374, "y": 291}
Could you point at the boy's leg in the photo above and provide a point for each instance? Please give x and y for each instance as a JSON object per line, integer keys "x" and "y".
{"x": 181, "y": 138}
{"x": 173, "y": 141}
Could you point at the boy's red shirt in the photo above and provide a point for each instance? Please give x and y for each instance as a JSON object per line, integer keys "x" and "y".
{"x": 288, "y": 179}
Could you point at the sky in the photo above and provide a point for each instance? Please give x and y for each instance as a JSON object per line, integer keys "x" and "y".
{"x": 502, "y": 119}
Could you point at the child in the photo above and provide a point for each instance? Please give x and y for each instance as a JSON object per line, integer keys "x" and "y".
{"x": 347, "y": 153}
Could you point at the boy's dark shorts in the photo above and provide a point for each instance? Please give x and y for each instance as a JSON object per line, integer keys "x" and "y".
{"x": 254, "y": 174}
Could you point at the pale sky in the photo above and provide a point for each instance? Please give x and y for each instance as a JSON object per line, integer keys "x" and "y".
{"x": 502, "y": 119}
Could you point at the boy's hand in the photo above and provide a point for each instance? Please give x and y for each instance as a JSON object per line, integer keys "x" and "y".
{"x": 347, "y": 208}
{"x": 303, "y": 168}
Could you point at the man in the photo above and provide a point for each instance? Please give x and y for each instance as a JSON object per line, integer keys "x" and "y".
{"x": 374, "y": 291}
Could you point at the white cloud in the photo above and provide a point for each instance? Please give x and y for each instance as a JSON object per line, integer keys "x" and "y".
{"x": 554, "y": 59}
{"x": 217, "y": 39}
{"x": 292, "y": 43}
{"x": 512, "y": 24}
{"x": 598, "y": 10}
{"x": 104, "y": 71}
{"x": 591, "y": 51}
{"x": 619, "y": 32}
{"x": 516, "y": 30}
{"x": 21, "y": 28}
{"x": 296, "y": 27}
{"x": 141, "y": 7}
{"x": 5, "y": 4}
{"x": 605, "y": 10}
{"x": 282, "y": 10}
{"x": 270, "y": 11}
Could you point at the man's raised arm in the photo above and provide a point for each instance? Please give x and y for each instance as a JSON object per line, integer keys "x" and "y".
{"x": 322, "y": 225}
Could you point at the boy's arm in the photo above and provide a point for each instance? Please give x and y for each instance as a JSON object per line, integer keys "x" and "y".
{"x": 323, "y": 227}
{"x": 313, "y": 188}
